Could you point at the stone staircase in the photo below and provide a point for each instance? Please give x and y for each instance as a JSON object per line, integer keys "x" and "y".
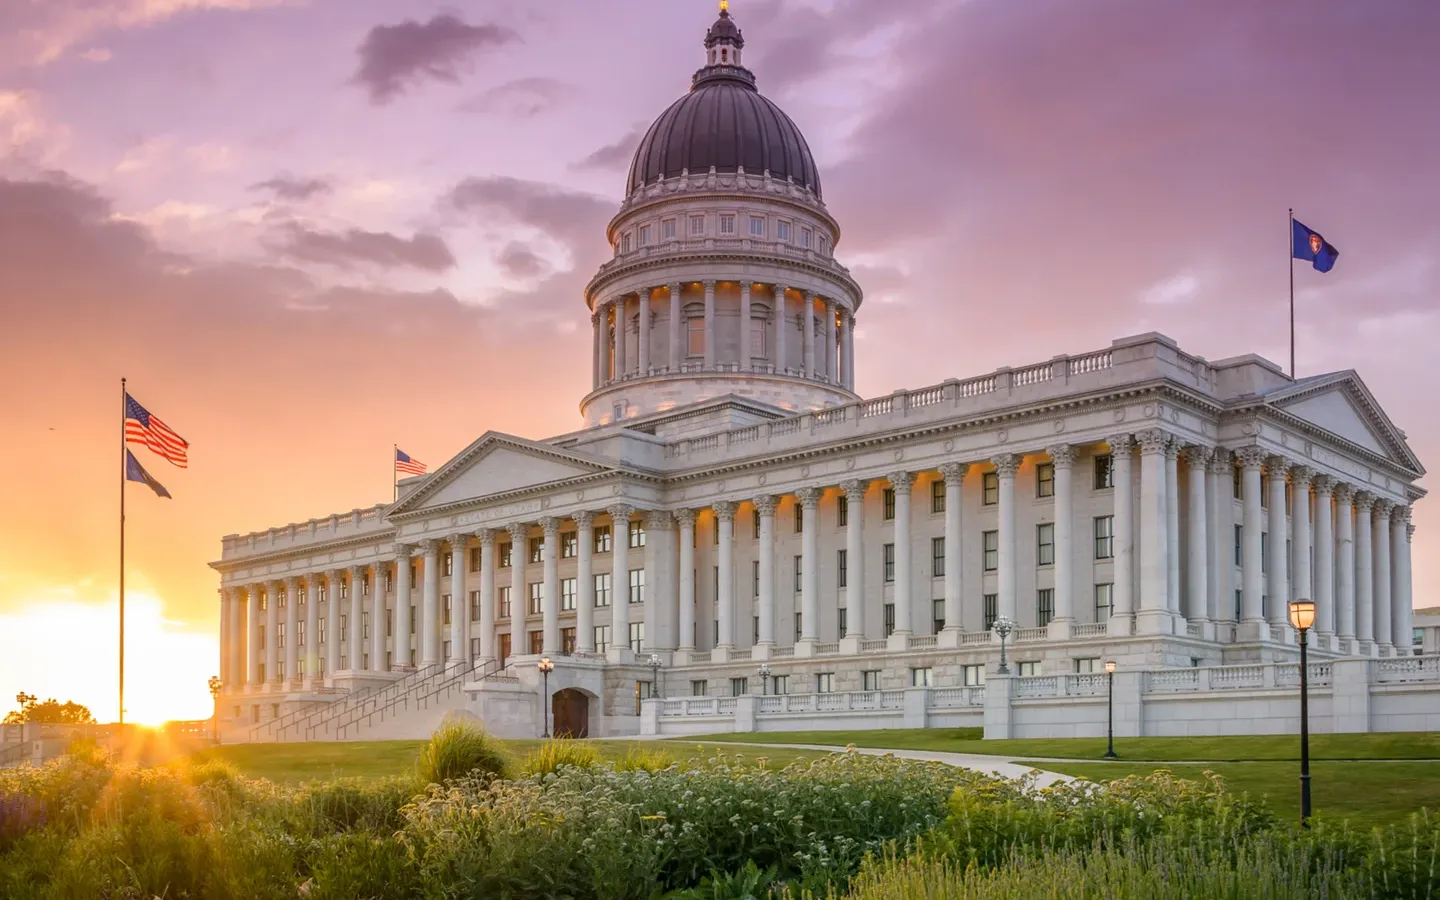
{"x": 298, "y": 724}
{"x": 412, "y": 714}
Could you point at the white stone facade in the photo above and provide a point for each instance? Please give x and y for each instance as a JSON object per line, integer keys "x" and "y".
{"x": 1135, "y": 503}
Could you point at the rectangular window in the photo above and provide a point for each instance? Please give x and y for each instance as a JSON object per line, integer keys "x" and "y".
{"x": 1088, "y": 665}
{"x": 567, "y": 641}
{"x": 799, "y": 518}
{"x": 798, "y": 630}
{"x": 300, "y": 634}
{"x": 757, "y": 227}
{"x": 444, "y": 653}
{"x": 799, "y": 572}
{"x": 840, "y": 568}
{"x": 1045, "y": 480}
{"x": 937, "y": 613}
{"x": 937, "y": 496}
{"x": 568, "y": 594}
{"x": 1264, "y": 490}
{"x": 697, "y": 225}
{"x": 699, "y": 687}
{"x": 320, "y": 628}
{"x": 842, "y": 512}
{"x": 637, "y": 534}
{"x": 1029, "y": 669}
{"x": 280, "y": 636}
{"x": 757, "y": 338}
{"x": 992, "y": 610}
{"x": 727, "y": 224}
{"x": 537, "y": 549}
{"x": 888, "y": 502}
{"x": 824, "y": 245}
{"x": 1239, "y": 545}
{"x": 536, "y": 590}
{"x": 474, "y": 606}
{"x": 990, "y": 547}
{"x": 1104, "y": 601}
{"x": 504, "y": 556}
{"x": 888, "y": 558}
{"x": 824, "y": 682}
{"x": 537, "y": 642}
{"x": 414, "y": 623}
{"x": 569, "y": 545}
{"x": 780, "y": 685}
{"x": 602, "y": 590}
{"x": 974, "y": 676}
{"x": 870, "y": 680}
{"x": 448, "y": 562}
{"x": 602, "y": 638}
{"x": 506, "y": 645}
{"x": 782, "y": 230}
{"x": 990, "y": 488}
{"x": 739, "y": 687}
{"x": 842, "y": 621}
{"x": 754, "y": 578}
{"x": 920, "y": 677}
{"x": 937, "y": 557}
{"x": 602, "y": 538}
{"x": 625, "y": 242}
{"x": 1045, "y": 544}
{"x": 1264, "y": 552}
{"x": 637, "y": 585}
{"x": 1044, "y": 606}
{"x": 1104, "y": 537}
{"x": 445, "y": 601}
{"x": 889, "y": 619}
{"x": 756, "y": 519}
{"x": 1104, "y": 472}
{"x": 502, "y": 598}
{"x": 805, "y": 237}
{"x": 667, "y": 229}
{"x": 474, "y": 559}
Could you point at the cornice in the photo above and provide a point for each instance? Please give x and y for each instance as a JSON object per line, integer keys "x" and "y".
{"x": 519, "y": 493}
{"x": 229, "y": 565}
{"x": 1340, "y": 444}
{"x": 838, "y": 275}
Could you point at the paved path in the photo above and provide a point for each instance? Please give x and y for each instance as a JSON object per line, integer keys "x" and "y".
{"x": 997, "y": 765}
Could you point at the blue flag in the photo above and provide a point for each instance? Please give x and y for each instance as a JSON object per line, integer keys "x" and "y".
{"x": 1311, "y": 246}
{"x": 136, "y": 472}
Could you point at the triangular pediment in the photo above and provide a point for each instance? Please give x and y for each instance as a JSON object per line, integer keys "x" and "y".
{"x": 497, "y": 464}
{"x": 1341, "y": 405}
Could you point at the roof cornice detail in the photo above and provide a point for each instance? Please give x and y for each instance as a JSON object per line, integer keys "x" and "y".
{"x": 616, "y": 268}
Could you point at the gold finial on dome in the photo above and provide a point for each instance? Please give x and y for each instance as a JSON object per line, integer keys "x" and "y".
{"x": 724, "y": 5}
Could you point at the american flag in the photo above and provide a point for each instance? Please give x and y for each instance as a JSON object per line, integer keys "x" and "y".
{"x": 143, "y": 428}
{"x": 403, "y": 463}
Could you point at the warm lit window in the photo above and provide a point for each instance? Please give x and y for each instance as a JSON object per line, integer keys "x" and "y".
{"x": 537, "y": 597}
{"x": 567, "y": 594}
{"x": 637, "y": 585}
{"x": 888, "y": 504}
{"x": 888, "y": 556}
{"x": 842, "y": 512}
{"x": 824, "y": 682}
{"x": 537, "y": 642}
{"x": 637, "y": 534}
{"x": 1044, "y": 606}
{"x": 1045, "y": 544}
{"x": 937, "y": 557}
{"x": 505, "y": 556}
{"x": 695, "y": 331}
{"x": 990, "y": 488}
{"x": 1045, "y": 480}
{"x": 990, "y": 547}
{"x": 937, "y": 496}
{"x": 1104, "y": 472}
{"x": 537, "y": 549}
{"x": 569, "y": 545}
{"x": 602, "y": 538}
{"x": 1104, "y": 601}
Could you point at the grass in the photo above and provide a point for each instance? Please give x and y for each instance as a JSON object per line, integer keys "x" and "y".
{"x": 1364, "y": 793}
{"x": 294, "y": 763}
{"x": 1396, "y": 746}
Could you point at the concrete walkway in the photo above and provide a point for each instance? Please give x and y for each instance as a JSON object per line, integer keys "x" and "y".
{"x": 990, "y": 765}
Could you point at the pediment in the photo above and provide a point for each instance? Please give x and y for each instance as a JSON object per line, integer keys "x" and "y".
{"x": 1343, "y": 406}
{"x": 497, "y": 465}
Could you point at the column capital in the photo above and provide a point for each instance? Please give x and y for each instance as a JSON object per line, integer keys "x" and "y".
{"x": 830, "y": 305}
{"x": 685, "y": 517}
{"x": 1324, "y": 485}
{"x": 550, "y": 526}
{"x": 1401, "y": 513}
{"x": 620, "y": 512}
{"x": 1062, "y": 456}
{"x": 518, "y": 532}
{"x": 1120, "y": 443}
{"x": 901, "y": 481}
{"x": 659, "y": 520}
{"x": 459, "y": 540}
{"x": 674, "y": 287}
{"x": 709, "y": 285}
{"x": 745, "y": 285}
{"x": 1173, "y": 448}
{"x": 486, "y": 536}
{"x": 335, "y": 575}
{"x": 1278, "y": 466}
{"x": 951, "y": 471}
{"x": 1300, "y": 476}
{"x": 1250, "y": 458}
{"x": 1364, "y": 500}
{"x": 855, "y": 489}
{"x": 1006, "y": 464}
{"x": 584, "y": 518}
{"x": 1382, "y": 508}
{"x": 809, "y": 497}
{"x": 357, "y": 572}
{"x": 1409, "y": 533}
{"x": 292, "y": 584}
{"x": 595, "y": 316}
{"x": 1221, "y": 461}
{"x": 381, "y": 564}
{"x": 765, "y": 505}
{"x": 725, "y": 509}
{"x": 430, "y": 547}
{"x": 811, "y": 296}
{"x": 1198, "y": 456}
{"x": 1153, "y": 440}
{"x": 1344, "y": 492}
{"x": 780, "y": 289}
{"x": 402, "y": 551}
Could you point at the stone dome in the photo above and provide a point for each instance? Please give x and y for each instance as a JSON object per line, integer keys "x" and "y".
{"x": 724, "y": 123}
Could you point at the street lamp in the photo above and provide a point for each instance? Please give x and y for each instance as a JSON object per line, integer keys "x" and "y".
{"x": 24, "y": 700}
{"x": 1003, "y": 626}
{"x": 1110, "y": 710}
{"x": 546, "y": 667}
{"x": 654, "y": 662}
{"x": 215, "y": 685}
{"x": 1302, "y": 616}
{"x": 764, "y": 672}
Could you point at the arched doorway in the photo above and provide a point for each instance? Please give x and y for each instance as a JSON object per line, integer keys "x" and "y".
{"x": 571, "y": 711}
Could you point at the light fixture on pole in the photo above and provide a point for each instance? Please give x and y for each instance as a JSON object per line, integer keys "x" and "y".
{"x": 654, "y": 662}
{"x": 215, "y": 685}
{"x": 1110, "y": 710}
{"x": 1003, "y": 626}
{"x": 764, "y": 672}
{"x": 546, "y": 667}
{"x": 1302, "y": 617}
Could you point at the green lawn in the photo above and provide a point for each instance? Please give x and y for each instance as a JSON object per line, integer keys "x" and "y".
{"x": 293, "y": 763}
{"x": 1365, "y": 793}
{"x": 1399, "y": 746}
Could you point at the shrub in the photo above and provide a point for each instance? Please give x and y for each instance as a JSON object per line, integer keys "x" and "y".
{"x": 458, "y": 748}
{"x": 551, "y": 755}
{"x": 637, "y": 760}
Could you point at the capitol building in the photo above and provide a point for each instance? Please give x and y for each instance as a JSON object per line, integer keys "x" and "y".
{"x": 736, "y": 540}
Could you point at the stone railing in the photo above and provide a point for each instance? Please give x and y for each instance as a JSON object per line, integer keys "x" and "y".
{"x": 972, "y": 638}
{"x": 827, "y": 649}
{"x": 1027, "y": 635}
{"x": 337, "y": 526}
{"x": 956, "y": 697}
{"x": 782, "y": 652}
{"x": 1090, "y": 629}
{"x": 840, "y": 701}
{"x": 1407, "y": 668}
{"x": 924, "y": 642}
{"x": 873, "y": 646}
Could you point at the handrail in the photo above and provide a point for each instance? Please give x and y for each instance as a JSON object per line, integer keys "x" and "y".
{"x": 335, "y": 710}
{"x": 309, "y": 709}
{"x": 442, "y": 682}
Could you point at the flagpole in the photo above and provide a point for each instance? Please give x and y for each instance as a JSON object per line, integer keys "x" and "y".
{"x": 122, "y": 553}
{"x": 1291, "y": 256}
{"x": 394, "y": 472}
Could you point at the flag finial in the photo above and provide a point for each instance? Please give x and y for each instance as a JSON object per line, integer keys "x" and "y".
{"x": 724, "y": 5}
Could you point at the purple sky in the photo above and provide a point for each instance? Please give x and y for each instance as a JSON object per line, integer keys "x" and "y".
{"x": 307, "y": 229}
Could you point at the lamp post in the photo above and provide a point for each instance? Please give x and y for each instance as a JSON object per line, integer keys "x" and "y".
{"x": 1110, "y": 711}
{"x": 1003, "y": 626}
{"x": 546, "y": 667}
{"x": 764, "y": 672}
{"x": 1302, "y": 616}
{"x": 215, "y": 685}
{"x": 654, "y": 662}
{"x": 24, "y": 700}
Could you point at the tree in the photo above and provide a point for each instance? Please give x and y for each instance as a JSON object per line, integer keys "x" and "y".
{"x": 50, "y": 712}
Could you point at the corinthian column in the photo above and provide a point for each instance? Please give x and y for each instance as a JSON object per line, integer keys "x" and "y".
{"x": 550, "y": 602}
{"x": 782, "y": 325}
{"x": 620, "y": 365}
{"x": 1154, "y": 541}
{"x": 597, "y": 333}
{"x": 725, "y": 590}
{"x": 519, "y": 600}
{"x": 809, "y": 562}
{"x": 1253, "y": 624}
{"x": 1325, "y": 611}
{"x": 356, "y": 645}
{"x": 1401, "y": 532}
{"x": 1197, "y": 541}
{"x": 831, "y": 366}
{"x": 313, "y": 678}
{"x": 677, "y": 351}
{"x": 1062, "y": 459}
{"x": 685, "y": 518}
{"x": 1380, "y": 531}
{"x": 765, "y": 603}
{"x": 857, "y": 610}
{"x": 954, "y": 475}
{"x": 292, "y": 629}
{"x": 746, "y": 350}
{"x": 585, "y": 581}
{"x": 1301, "y": 586}
{"x": 644, "y": 332}
{"x": 459, "y": 601}
{"x": 1345, "y": 565}
{"x": 377, "y": 618}
{"x": 401, "y": 639}
{"x": 1006, "y": 465}
{"x": 620, "y": 582}
{"x": 1172, "y": 527}
{"x": 850, "y": 350}
{"x": 430, "y": 605}
{"x": 235, "y": 676}
{"x": 335, "y": 585}
{"x": 904, "y": 614}
{"x": 1278, "y": 587}
{"x": 1364, "y": 575}
{"x": 807, "y": 322}
{"x": 487, "y": 593}
{"x": 273, "y": 591}
{"x": 253, "y": 625}
{"x": 1122, "y": 611}
{"x": 709, "y": 325}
